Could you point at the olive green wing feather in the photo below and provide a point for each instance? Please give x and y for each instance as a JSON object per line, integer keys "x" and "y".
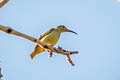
{"x": 41, "y": 36}
{"x": 46, "y": 33}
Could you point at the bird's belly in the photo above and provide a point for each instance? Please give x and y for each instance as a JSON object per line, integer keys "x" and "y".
{"x": 50, "y": 39}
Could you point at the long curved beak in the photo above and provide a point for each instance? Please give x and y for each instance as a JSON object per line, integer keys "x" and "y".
{"x": 71, "y": 31}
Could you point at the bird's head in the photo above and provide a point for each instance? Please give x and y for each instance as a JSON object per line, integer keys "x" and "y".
{"x": 62, "y": 28}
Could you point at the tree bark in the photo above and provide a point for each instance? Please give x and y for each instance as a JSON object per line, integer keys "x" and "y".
{"x": 3, "y": 2}
{"x": 1, "y": 74}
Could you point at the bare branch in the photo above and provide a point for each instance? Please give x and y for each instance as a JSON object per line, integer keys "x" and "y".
{"x": 3, "y": 2}
{"x": 44, "y": 45}
{"x": 70, "y": 61}
{"x": 0, "y": 74}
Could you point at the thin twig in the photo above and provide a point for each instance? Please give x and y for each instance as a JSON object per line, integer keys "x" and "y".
{"x": 0, "y": 74}
{"x": 69, "y": 60}
{"x": 3, "y": 2}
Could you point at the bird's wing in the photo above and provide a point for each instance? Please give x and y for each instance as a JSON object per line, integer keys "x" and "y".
{"x": 46, "y": 33}
{"x": 41, "y": 36}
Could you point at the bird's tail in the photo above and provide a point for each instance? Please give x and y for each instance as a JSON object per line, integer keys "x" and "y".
{"x": 35, "y": 52}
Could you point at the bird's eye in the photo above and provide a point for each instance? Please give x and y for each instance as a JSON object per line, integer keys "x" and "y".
{"x": 62, "y": 26}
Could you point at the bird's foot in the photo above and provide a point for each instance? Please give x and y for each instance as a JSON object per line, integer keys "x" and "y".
{"x": 50, "y": 55}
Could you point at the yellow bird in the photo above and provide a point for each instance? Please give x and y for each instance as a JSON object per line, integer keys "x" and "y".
{"x": 51, "y": 37}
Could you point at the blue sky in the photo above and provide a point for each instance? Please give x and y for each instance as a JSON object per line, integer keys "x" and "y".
{"x": 97, "y": 23}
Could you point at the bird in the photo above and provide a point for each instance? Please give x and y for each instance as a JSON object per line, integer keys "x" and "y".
{"x": 50, "y": 37}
